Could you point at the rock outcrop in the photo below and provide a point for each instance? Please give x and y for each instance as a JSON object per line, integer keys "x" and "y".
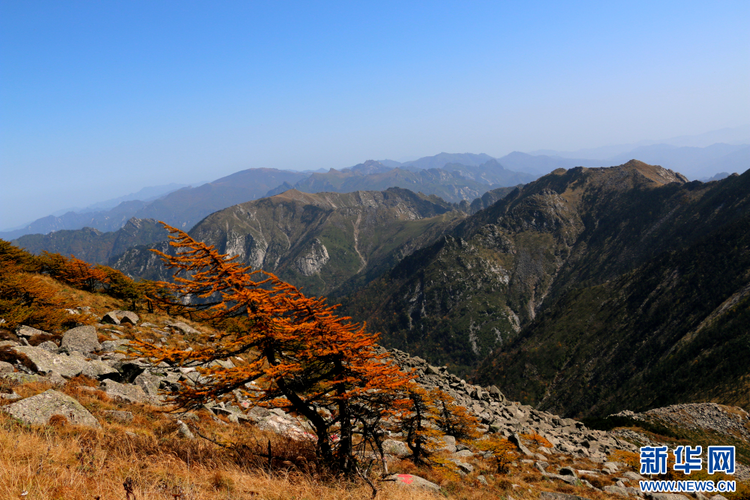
{"x": 40, "y": 408}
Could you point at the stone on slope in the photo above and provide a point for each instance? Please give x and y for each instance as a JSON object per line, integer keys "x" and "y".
{"x": 184, "y": 431}
{"x": 126, "y": 392}
{"x": 40, "y": 408}
{"x": 48, "y": 363}
{"x": 149, "y": 383}
{"x": 128, "y": 317}
{"x": 114, "y": 345}
{"x": 396, "y": 448}
{"x": 99, "y": 370}
{"x": 410, "y": 480}
{"x": 81, "y": 339}
{"x": 28, "y": 332}
{"x": 124, "y": 417}
{"x": 110, "y": 318}
{"x": 50, "y": 346}
{"x": 182, "y": 327}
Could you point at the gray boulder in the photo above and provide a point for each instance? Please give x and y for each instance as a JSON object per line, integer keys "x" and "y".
{"x": 149, "y": 383}
{"x": 516, "y": 440}
{"x": 184, "y": 430}
{"x": 110, "y": 318}
{"x": 40, "y": 408}
{"x": 463, "y": 467}
{"x": 6, "y": 367}
{"x": 99, "y": 370}
{"x": 617, "y": 490}
{"x": 81, "y": 339}
{"x": 448, "y": 444}
{"x": 412, "y": 481}
{"x": 182, "y": 327}
{"x": 128, "y": 317}
{"x": 124, "y": 417}
{"x": 396, "y": 448}
{"x": 48, "y": 363}
{"x": 66, "y": 365}
{"x": 114, "y": 345}
{"x": 28, "y": 332}
{"x": 126, "y": 392}
{"x": 49, "y": 346}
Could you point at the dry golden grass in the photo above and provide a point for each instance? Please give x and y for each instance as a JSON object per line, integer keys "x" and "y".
{"x": 60, "y": 461}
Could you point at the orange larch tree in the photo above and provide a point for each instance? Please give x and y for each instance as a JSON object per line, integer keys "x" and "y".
{"x": 26, "y": 297}
{"x": 289, "y": 351}
{"x": 74, "y": 271}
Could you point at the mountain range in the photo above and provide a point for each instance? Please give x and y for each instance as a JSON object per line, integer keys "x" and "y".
{"x": 584, "y": 292}
{"x": 454, "y": 177}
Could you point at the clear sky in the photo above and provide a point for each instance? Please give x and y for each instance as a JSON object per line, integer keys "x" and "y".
{"x": 99, "y": 99}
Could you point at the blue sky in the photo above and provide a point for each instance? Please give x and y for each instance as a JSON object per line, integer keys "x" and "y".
{"x": 98, "y": 99}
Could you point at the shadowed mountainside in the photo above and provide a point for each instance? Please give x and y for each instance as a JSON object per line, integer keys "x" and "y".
{"x": 496, "y": 287}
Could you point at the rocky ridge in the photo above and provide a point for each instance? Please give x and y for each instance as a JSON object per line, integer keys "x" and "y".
{"x": 325, "y": 243}
{"x": 727, "y": 420}
{"x": 138, "y": 381}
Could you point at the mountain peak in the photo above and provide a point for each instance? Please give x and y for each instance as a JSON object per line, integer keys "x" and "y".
{"x": 655, "y": 173}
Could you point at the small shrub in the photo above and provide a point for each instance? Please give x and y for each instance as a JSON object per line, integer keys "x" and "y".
{"x": 626, "y": 457}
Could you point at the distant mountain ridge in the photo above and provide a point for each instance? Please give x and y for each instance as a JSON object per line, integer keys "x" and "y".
{"x": 183, "y": 208}
{"x": 469, "y": 176}
{"x": 453, "y": 182}
{"x": 92, "y": 245}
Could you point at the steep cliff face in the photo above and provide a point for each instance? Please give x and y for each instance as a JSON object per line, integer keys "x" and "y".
{"x": 322, "y": 242}
{"x": 588, "y": 291}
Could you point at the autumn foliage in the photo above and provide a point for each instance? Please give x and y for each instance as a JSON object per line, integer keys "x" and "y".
{"x": 73, "y": 271}
{"x": 27, "y": 298}
{"x": 289, "y": 351}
